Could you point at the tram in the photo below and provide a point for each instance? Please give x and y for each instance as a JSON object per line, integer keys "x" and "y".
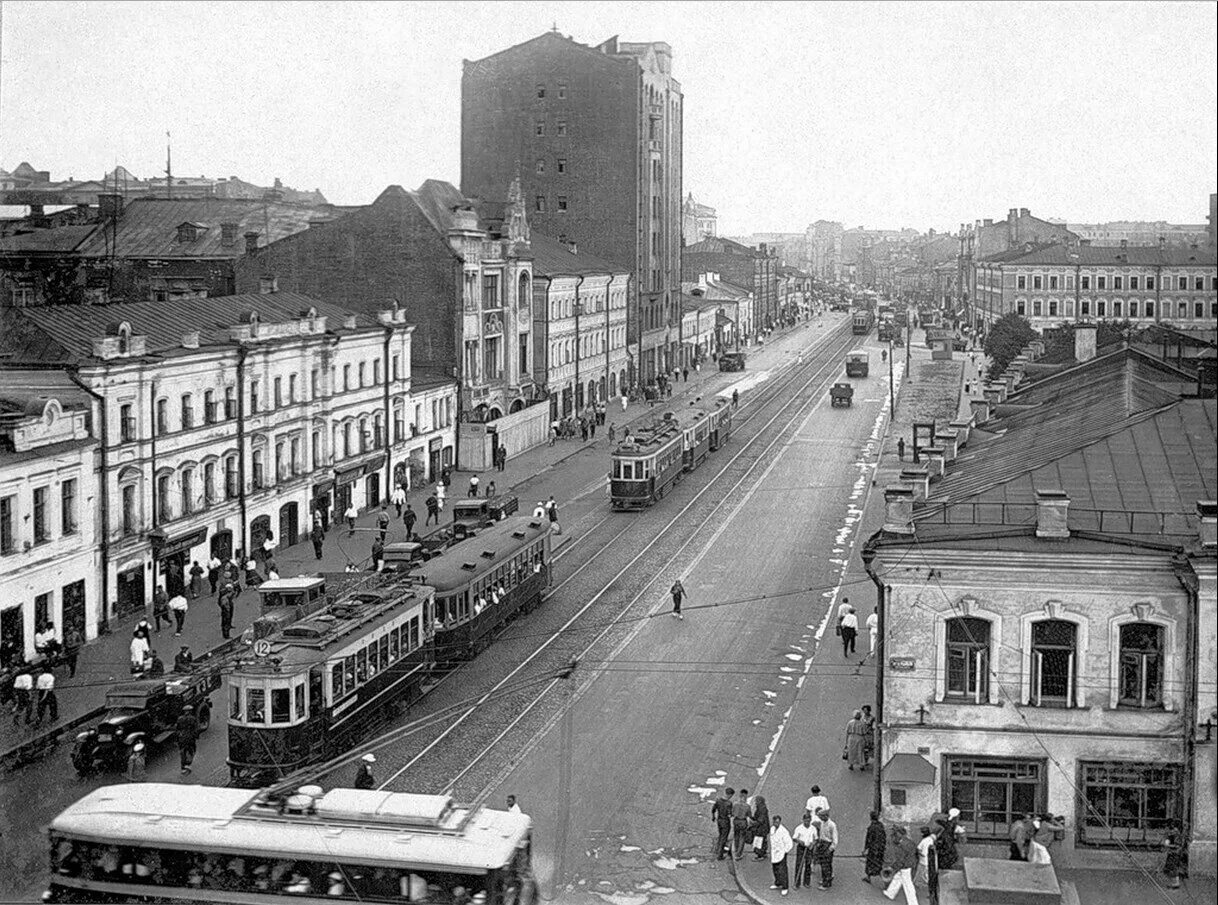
{"x": 862, "y": 321}
{"x": 166, "y": 842}
{"x": 858, "y": 363}
{"x": 317, "y": 686}
{"x": 485, "y": 582}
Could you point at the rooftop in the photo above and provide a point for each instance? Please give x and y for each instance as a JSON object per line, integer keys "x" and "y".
{"x": 1057, "y": 254}
{"x": 552, "y": 258}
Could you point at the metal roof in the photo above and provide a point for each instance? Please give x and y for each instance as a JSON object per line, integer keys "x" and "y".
{"x": 1107, "y": 255}
{"x": 477, "y": 555}
{"x": 551, "y": 258}
{"x": 53, "y": 240}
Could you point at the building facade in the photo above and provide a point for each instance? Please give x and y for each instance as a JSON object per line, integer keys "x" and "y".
{"x": 735, "y": 316}
{"x": 698, "y": 221}
{"x": 226, "y": 422}
{"x": 754, "y": 268}
{"x": 595, "y": 136}
{"x": 579, "y": 309}
{"x": 1052, "y": 285}
{"x": 823, "y": 240}
{"x": 49, "y": 554}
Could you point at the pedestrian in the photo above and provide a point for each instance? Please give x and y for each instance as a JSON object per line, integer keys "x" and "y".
{"x": 382, "y": 521}
{"x": 473, "y": 485}
{"x": 1021, "y": 831}
{"x": 949, "y": 838}
{"x": 183, "y": 662}
{"x": 721, "y": 813}
{"x": 137, "y": 764}
{"x": 735, "y": 399}
{"x": 539, "y": 511}
{"x": 624, "y": 402}
{"x": 187, "y": 732}
{"x": 926, "y": 854}
{"x": 213, "y": 570}
{"x": 612, "y": 434}
{"x": 378, "y": 554}
{"x": 826, "y": 845}
{"x": 226, "y": 611}
{"x": 1175, "y": 858}
{"x": 873, "y": 629}
{"x": 252, "y": 578}
{"x": 850, "y": 631}
{"x": 904, "y": 860}
{"x": 875, "y": 843}
{"x": 685, "y": 374}
{"x": 853, "y": 751}
{"x": 583, "y": 428}
{"x": 869, "y": 736}
{"x": 553, "y": 431}
{"x": 399, "y": 499}
{"x": 139, "y": 651}
{"x": 678, "y": 594}
{"x": 318, "y": 537}
{"x": 160, "y": 607}
{"x": 408, "y": 519}
{"x": 780, "y": 844}
{"x": 490, "y": 490}
{"x": 1038, "y": 852}
{"x": 512, "y": 806}
{"x": 804, "y": 837}
{"x": 967, "y": 388}
{"x": 268, "y": 546}
{"x": 816, "y": 803}
{"x": 433, "y": 511}
{"x": 761, "y": 828}
{"x": 233, "y": 572}
{"x": 196, "y": 582}
{"x": 363, "y": 773}
{"x": 901, "y": 448}
{"x": 144, "y": 630}
{"x": 441, "y": 494}
{"x": 45, "y": 687}
{"x": 23, "y": 697}
{"x": 156, "y": 666}
{"x": 351, "y": 513}
{"x": 741, "y": 824}
{"x": 552, "y": 509}
{"x": 73, "y": 641}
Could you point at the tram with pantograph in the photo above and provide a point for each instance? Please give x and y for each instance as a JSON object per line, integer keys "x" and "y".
{"x": 319, "y": 685}
{"x": 164, "y": 842}
{"x": 646, "y": 466}
{"x": 861, "y": 321}
{"x": 485, "y": 582}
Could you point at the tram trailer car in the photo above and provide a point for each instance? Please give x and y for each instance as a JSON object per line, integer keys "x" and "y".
{"x": 652, "y": 463}
{"x": 861, "y": 324}
{"x": 486, "y": 582}
{"x": 166, "y": 842}
{"x": 315, "y": 688}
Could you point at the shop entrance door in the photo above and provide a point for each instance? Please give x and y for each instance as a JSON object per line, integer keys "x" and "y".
{"x": 222, "y": 545}
{"x": 289, "y": 527}
{"x": 74, "y": 606}
{"x": 12, "y": 631}
{"x": 131, "y": 591}
{"x": 372, "y": 490}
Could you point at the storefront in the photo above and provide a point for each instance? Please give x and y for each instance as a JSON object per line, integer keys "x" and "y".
{"x": 350, "y": 489}
{"x": 172, "y": 556}
{"x": 322, "y": 501}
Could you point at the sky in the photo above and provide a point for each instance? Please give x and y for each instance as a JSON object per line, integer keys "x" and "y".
{"x": 884, "y": 115}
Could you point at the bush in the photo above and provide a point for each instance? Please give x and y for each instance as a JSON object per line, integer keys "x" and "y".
{"x": 1005, "y": 340}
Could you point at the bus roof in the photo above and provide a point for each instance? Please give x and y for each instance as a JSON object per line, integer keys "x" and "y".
{"x": 481, "y": 553}
{"x": 382, "y": 829}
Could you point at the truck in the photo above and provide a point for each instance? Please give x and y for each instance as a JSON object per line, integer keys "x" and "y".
{"x": 476, "y": 513}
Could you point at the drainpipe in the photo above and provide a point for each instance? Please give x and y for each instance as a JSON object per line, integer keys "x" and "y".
{"x": 242, "y": 354}
{"x": 608, "y": 335}
{"x": 103, "y": 503}
{"x": 387, "y": 436}
{"x": 881, "y": 611}
{"x": 156, "y": 503}
{"x": 1188, "y": 580}
{"x": 575, "y": 395}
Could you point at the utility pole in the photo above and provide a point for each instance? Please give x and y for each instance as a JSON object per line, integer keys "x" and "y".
{"x": 892, "y": 396}
{"x": 168, "y": 167}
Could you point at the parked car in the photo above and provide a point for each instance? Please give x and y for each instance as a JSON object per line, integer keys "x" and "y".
{"x": 469, "y": 516}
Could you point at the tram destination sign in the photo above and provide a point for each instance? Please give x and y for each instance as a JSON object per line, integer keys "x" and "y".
{"x": 902, "y": 664}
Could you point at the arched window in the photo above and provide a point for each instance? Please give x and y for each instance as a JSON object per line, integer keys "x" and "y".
{"x": 187, "y": 482}
{"x": 1054, "y": 654}
{"x": 968, "y": 658}
{"x": 164, "y": 507}
{"x": 1141, "y": 669}
{"x": 523, "y": 290}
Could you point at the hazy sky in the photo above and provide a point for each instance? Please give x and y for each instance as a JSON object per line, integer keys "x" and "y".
{"x": 876, "y": 114}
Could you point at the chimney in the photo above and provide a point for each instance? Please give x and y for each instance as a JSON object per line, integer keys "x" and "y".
{"x": 251, "y": 242}
{"x": 1084, "y": 342}
{"x": 1207, "y": 512}
{"x": 349, "y": 322}
{"x": 1023, "y": 212}
{"x": 898, "y": 509}
{"x": 268, "y": 283}
{"x": 987, "y": 222}
{"x": 109, "y": 205}
{"x": 228, "y": 234}
{"x": 190, "y": 340}
{"x": 1052, "y": 507}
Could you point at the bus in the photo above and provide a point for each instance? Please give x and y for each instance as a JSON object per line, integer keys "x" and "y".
{"x": 166, "y": 842}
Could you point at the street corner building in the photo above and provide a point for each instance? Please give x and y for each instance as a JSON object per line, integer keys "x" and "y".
{"x": 216, "y": 424}
{"x": 1046, "y": 583}
{"x": 595, "y": 135}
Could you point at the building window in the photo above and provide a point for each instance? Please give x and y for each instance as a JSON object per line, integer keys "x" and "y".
{"x": 1052, "y": 307}
{"x": 230, "y": 403}
{"x": 539, "y": 204}
{"x": 541, "y": 167}
{"x": 126, "y": 422}
{"x": 1198, "y": 309}
{"x": 490, "y": 359}
{"x": 1070, "y": 281}
{"x": 129, "y": 509}
{"x": 376, "y": 372}
{"x": 562, "y": 91}
{"x": 1036, "y": 307}
{"x": 378, "y": 431}
{"x": 994, "y": 794}
{"x": 67, "y": 507}
{"x": 1053, "y": 663}
{"x": 364, "y": 436}
{"x": 560, "y": 128}
{"x": 1086, "y": 306}
{"x": 1116, "y": 308}
{"x": 1150, "y": 282}
{"x": 259, "y": 469}
{"x": 524, "y": 356}
{"x": 1133, "y": 282}
{"x": 347, "y": 439}
{"x": 209, "y": 483}
{"x": 346, "y": 377}
{"x": 209, "y": 406}
{"x": 1101, "y": 282}
{"x": 291, "y": 389}
{"x": 1140, "y": 682}
{"x": 1116, "y": 282}
{"x": 1182, "y": 283}
{"x": 539, "y": 128}
{"x": 397, "y": 367}
{"x": 562, "y": 164}
{"x": 1128, "y": 803}
{"x": 1101, "y": 308}
{"x": 318, "y": 462}
{"x": 42, "y": 530}
{"x": 362, "y": 372}
{"x": 163, "y": 507}
{"x": 1199, "y": 284}
{"x": 1036, "y": 282}
{"x": 1150, "y": 308}
{"x": 968, "y": 659}
{"x": 253, "y": 397}
{"x": 280, "y": 462}
{"x": 1133, "y": 307}
{"x": 541, "y": 91}
{"x": 42, "y": 608}
{"x": 8, "y": 535}
{"x": 399, "y": 424}
{"x": 1052, "y": 282}
{"x": 162, "y": 416}
{"x": 562, "y": 203}
{"x": 187, "y": 481}
{"x": 1084, "y": 282}
{"x": 490, "y": 291}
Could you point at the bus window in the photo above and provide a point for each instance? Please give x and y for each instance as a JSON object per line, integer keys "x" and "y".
{"x": 281, "y": 705}
{"x": 234, "y": 701}
{"x": 336, "y": 682}
{"x": 255, "y": 705}
{"x": 299, "y": 694}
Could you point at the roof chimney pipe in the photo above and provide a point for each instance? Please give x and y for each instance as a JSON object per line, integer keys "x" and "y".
{"x": 1052, "y": 509}
{"x": 251, "y": 242}
{"x": 1207, "y": 512}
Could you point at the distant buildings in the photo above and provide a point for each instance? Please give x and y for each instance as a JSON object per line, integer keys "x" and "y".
{"x": 698, "y": 221}
{"x": 1138, "y": 232}
{"x": 823, "y": 242}
{"x": 752, "y": 268}
{"x": 594, "y": 134}
{"x": 736, "y": 315}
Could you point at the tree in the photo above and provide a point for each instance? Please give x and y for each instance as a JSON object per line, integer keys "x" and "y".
{"x": 1005, "y": 340}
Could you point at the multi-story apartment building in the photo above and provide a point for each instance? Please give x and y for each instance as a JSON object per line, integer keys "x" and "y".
{"x": 1055, "y": 284}
{"x": 595, "y": 136}
{"x": 698, "y": 221}
{"x": 459, "y": 268}
{"x": 48, "y": 499}
{"x": 228, "y": 420}
{"x": 754, "y": 268}
{"x": 1139, "y": 232}
{"x": 1047, "y": 632}
{"x": 823, "y": 241}
{"x": 579, "y": 320}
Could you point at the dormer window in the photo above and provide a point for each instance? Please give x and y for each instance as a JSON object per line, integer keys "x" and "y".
{"x": 190, "y": 232}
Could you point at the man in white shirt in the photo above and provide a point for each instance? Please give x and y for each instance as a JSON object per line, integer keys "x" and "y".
{"x": 816, "y": 803}
{"x": 46, "y": 696}
{"x": 805, "y": 837}
{"x": 827, "y": 843}
{"x": 139, "y": 649}
{"x": 44, "y": 641}
{"x": 873, "y": 628}
{"x": 23, "y": 697}
{"x": 780, "y": 844}
{"x": 850, "y": 630}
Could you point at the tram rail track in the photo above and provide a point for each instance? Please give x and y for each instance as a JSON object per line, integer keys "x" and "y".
{"x": 446, "y": 749}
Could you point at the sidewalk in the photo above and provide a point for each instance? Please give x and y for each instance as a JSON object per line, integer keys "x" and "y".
{"x": 104, "y": 661}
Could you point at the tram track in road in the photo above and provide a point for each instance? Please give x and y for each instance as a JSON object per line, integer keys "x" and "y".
{"x": 446, "y": 748}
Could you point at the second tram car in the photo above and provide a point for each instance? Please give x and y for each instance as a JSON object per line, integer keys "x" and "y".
{"x": 862, "y": 320}
{"x": 485, "y": 582}
{"x": 315, "y": 687}
{"x": 165, "y": 842}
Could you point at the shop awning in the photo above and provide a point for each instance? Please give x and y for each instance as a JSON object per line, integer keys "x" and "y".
{"x": 908, "y": 769}
{"x": 722, "y": 320}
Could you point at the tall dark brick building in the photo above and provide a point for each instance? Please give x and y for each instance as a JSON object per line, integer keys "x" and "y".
{"x": 753, "y": 268}
{"x": 595, "y": 136}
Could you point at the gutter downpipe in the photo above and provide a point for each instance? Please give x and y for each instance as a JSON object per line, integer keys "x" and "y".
{"x": 242, "y": 353}
{"x": 575, "y": 394}
{"x": 1188, "y": 580}
{"x": 104, "y": 502}
{"x": 387, "y": 421}
{"x": 608, "y": 338}
{"x": 881, "y": 611}
{"x": 156, "y": 503}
